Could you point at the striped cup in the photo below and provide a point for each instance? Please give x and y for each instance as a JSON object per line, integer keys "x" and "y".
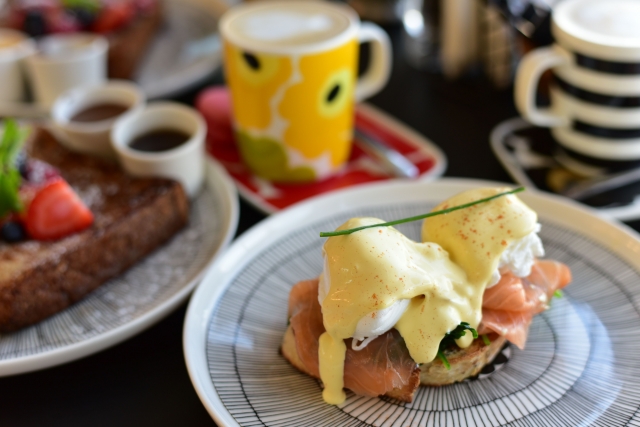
{"x": 595, "y": 96}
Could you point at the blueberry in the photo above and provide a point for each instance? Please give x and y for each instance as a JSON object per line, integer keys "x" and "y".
{"x": 35, "y": 23}
{"x": 21, "y": 164}
{"x": 12, "y": 232}
{"x": 84, "y": 16}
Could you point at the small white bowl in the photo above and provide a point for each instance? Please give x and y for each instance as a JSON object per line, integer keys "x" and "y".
{"x": 93, "y": 137}
{"x": 65, "y": 61}
{"x": 184, "y": 163}
{"x": 14, "y": 48}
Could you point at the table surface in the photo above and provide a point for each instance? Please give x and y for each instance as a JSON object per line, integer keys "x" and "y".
{"x": 144, "y": 381}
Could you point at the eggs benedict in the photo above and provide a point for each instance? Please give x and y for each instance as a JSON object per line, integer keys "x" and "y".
{"x": 388, "y": 310}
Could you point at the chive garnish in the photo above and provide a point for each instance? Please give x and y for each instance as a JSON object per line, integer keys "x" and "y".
{"x": 558, "y": 293}
{"x": 418, "y": 217}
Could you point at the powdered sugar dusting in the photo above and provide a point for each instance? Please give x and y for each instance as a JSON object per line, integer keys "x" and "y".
{"x": 140, "y": 290}
{"x": 91, "y": 196}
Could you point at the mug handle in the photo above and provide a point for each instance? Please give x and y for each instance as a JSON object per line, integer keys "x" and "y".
{"x": 531, "y": 68}
{"x": 379, "y": 69}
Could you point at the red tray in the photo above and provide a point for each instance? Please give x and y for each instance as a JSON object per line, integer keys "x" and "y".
{"x": 361, "y": 167}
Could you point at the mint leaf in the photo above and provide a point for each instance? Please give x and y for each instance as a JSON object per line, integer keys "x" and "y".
{"x": 9, "y": 185}
{"x": 12, "y": 139}
{"x": 10, "y": 144}
{"x": 92, "y": 6}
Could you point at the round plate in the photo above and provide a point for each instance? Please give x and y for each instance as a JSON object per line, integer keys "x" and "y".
{"x": 134, "y": 301}
{"x": 186, "y": 48}
{"x": 580, "y": 365}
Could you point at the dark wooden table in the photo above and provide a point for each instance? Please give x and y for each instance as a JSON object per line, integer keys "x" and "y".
{"x": 144, "y": 381}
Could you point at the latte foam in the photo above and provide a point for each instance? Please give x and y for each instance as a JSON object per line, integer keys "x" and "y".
{"x": 618, "y": 19}
{"x": 287, "y": 25}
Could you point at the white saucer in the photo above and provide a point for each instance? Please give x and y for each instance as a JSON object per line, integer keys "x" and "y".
{"x": 520, "y": 160}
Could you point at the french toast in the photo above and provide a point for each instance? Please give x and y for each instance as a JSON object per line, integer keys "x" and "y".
{"x": 128, "y": 25}
{"x": 133, "y": 216}
{"x": 127, "y": 46}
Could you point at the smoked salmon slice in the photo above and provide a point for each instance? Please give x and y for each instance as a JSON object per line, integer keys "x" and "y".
{"x": 385, "y": 365}
{"x": 382, "y": 366}
{"x": 509, "y": 306}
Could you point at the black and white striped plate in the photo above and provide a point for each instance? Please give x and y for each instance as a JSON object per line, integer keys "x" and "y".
{"x": 581, "y": 365}
{"x": 134, "y": 301}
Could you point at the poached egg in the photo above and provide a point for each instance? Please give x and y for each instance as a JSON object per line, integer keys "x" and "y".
{"x": 377, "y": 279}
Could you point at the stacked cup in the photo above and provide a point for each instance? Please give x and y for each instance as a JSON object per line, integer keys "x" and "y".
{"x": 51, "y": 66}
{"x": 595, "y": 96}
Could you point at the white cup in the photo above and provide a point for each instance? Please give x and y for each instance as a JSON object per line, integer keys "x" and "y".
{"x": 595, "y": 98}
{"x": 14, "y": 48}
{"x": 65, "y": 61}
{"x": 184, "y": 163}
{"x": 93, "y": 138}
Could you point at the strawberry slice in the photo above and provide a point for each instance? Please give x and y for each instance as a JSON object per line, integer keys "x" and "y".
{"x": 56, "y": 211}
{"x": 113, "y": 16}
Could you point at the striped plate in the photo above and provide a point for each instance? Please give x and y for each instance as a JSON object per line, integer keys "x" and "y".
{"x": 137, "y": 299}
{"x": 580, "y": 367}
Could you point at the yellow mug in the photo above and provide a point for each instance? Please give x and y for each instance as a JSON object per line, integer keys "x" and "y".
{"x": 292, "y": 70}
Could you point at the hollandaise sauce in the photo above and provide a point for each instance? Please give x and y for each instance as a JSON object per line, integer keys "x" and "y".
{"x": 476, "y": 237}
{"x": 332, "y": 353}
{"x": 443, "y": 278}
